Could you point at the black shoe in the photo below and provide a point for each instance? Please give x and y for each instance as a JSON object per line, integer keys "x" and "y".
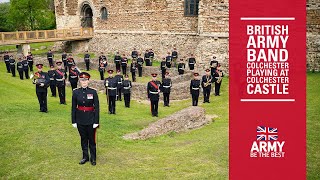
{"x": 204, "y": 101}
{"x": 156, "y": 115}
{"x": 93, "y": 163}
{"x": 83, "y": 161}
{"x": 208, "y": 101}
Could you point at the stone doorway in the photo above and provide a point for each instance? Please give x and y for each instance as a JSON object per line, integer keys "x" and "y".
{"x": 87, "y": 15}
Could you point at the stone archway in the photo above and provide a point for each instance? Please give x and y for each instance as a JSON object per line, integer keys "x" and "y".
{"x": 87, "y": 15}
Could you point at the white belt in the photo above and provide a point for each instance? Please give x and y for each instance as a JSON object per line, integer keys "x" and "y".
{"x": 119, "y": 82}
{"x": 153, "y": 92}
{"x": 117, "y": 60}
{"x": 140, "y": 63}
{"x": 19, "y": 66}
{"x": 195, "y": 88}
{"x": 112, "y": 88}
{"x": 52, "y": 79}
{"x": 13, "y": 64}
{"x": 166, "y": 86}
{"x": 30, "y": 60}
{"x": 25, "y": 65}
{"x": 181, "y": 68}
{"x": 59, "y": 79}
{"x": 191, "y": 63}
{"x": 73, "y": 76}
{"x": 126, "y": 87}
{"x": 86, "y": 58}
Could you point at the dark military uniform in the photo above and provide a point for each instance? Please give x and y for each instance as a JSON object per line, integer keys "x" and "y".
{"x": 111, "y": 92}
{"x": 73, "y": 78}
{"x": 206, "y": 86}
{"x": 147, "y": 58}
{"x": 140, "y": 65}
{"x": 87, "y": 61}
{"x": 192, "y": 62}
{"x": 41, "y": 91}
{"x": 174, "y": 56}
{"x": 6, "y": 59}
{"x": 12, "y": 64}
{"x": 213, "y": 65}
{"x": 103, "y": 59}
{"x": 119, "y": 79}
{"x": 195, "y": 91}
{"x": 70, "y": 62}
{"x": 134, "y": 54}
{"x": 85, "y": 113}
{"x": 166, "y": 88}
{"x": 64, "y": 60}
{"x": 163, "y": 68}
{"x": 168, "y": 61}
{"x": 61, "y": 85}
{"x": 127, "y": 92}
{"x": 133, "y": 69}
{"x": 151, "y": 56}
{"x": 20, "y": 69}
{"x": 124, "y": 64}
{"x": 30, "y": 62}
{"x": 117, "y": 61}
{"x": 181, "y": 67}
{"x": 50, "y": 58}
{"x": 25, "y": 68}
{"x": 153, "y": 89}
{"x": 53, "y": 87}
{"x": 101, "y": 71}
{"x": 218, "y": 74}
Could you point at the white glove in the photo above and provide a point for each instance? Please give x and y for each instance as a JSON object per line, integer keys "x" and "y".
{"x": 74, "y": 125}
{"x": 95, "y": 126}
{"x": 41, "y": 84}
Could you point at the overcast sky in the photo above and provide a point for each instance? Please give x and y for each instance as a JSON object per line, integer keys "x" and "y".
{"x": 1, "y": 1}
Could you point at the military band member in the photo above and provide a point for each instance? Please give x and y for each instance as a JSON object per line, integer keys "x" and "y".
{"x": 111, "y": 91}
{"x": 168, "y": 60}
{"x": 195, "y": 89}
{"x": 61, "y": 83}
{"x": 70, "y": 62}
{"x": 133, "y": 70}
{"x": 174, "y": 56}
{"x": 87, "y": 60}
{"x": 42, "y": 81}
{"x": 192, "y": 61}
{"x": 73, "y": 77}
{"x": 102, "y": 70}
{"x": 53, "y": 84}
{"x": 64, "y": 58}
{"x": 119, "y": 79}
{"x": 124, "y": 64}
{"x": 134, "y": 54}
{"x": 85, "y": 117}
{"x": 181, "y": 67}
{"x": 25, "y": 67}
{"x": 163, "y": 67}
{"x": 151, "y": 56}
{"x": 20, "y": 68}
{"x": 50, "y": 57}
{"x": 140, "y": 64}
{"x": 6, "y": 59}
{"x": 153, "y": 90}
{"x": 147, "y": 58}
{"x": 166, "y": 88}
{"x": 103, "y": 59}
{"x": 30, "y": 61}
{"x": 117, "y": 61}
{"x": 12, "y": 63}
{"x": 218, "y": 75}
{"x": 207, "y": 80}
{"x": 127, "y": 91}
{"x": 213, "y": 64}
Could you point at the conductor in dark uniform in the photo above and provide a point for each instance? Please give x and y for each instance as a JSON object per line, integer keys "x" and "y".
{"x": 85, "y": 117}
{"x": 153, "y": 90}
{"x": 42, "y": 81}
{"x": 127, "y": 91}
{"x": 206, "y": 82}
{"x": 61, "y": 83}
{"x": 111, "y": 84}
{"x": 166, "y": 88}
{"x": 195, "y": 89}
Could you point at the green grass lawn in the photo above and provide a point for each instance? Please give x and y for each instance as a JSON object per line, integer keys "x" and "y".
{"x": 36, "y": 145}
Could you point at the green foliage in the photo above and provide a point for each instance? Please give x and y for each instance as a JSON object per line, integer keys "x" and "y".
{"x": 5, "y": 23}
{"x": 31, "y": 15}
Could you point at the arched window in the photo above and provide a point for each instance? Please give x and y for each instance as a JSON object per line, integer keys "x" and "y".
{"x": 104, "y": 13}
{"x": 191, "y": 7}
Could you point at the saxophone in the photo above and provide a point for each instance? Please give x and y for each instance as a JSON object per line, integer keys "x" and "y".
{"x": 220, "y": 77}
{"x": 208, "y": 83}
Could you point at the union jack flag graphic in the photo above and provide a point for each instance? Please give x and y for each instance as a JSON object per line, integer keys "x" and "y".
{"x": 267, "y": 133}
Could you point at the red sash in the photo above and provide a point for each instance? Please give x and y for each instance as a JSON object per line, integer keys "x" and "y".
{"x": 73, "y": 72}
{"x": 58, "y": 71}
{"x": 154, "y": 85}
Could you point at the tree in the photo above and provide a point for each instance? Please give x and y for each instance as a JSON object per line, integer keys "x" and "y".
{"x": 5, "y": 24}
{"x": 31, "y": 14}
